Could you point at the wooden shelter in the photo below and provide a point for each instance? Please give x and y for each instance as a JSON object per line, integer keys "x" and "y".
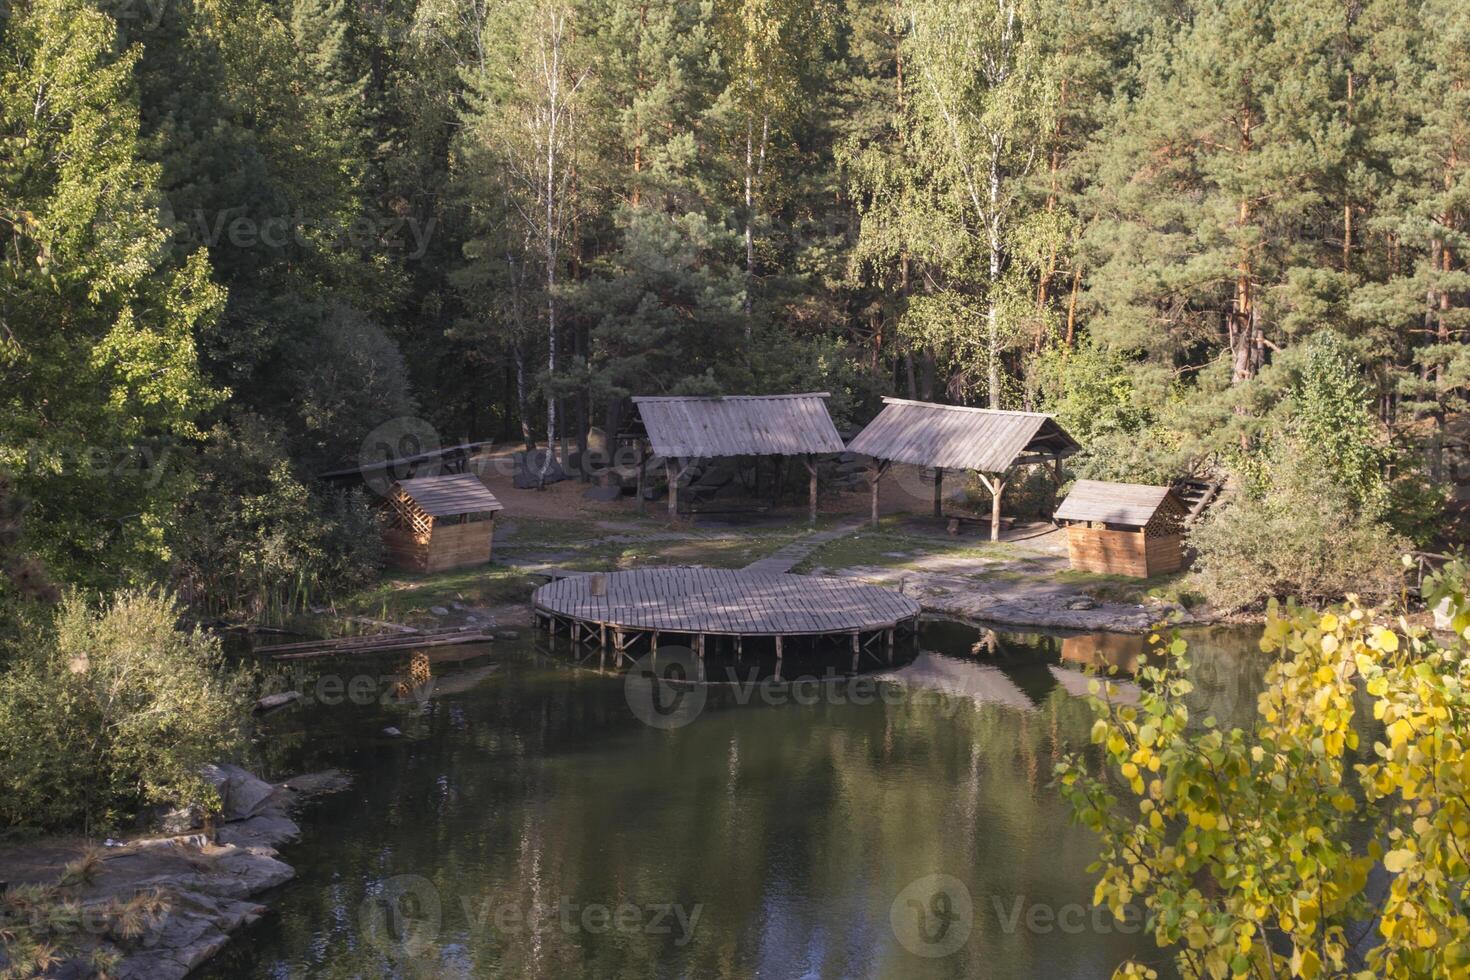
{"x": 989, "y": 441}
{"x": 441, "y": 522}
{"x": 1123, "y": 528}
{"x": 684, "y": 430}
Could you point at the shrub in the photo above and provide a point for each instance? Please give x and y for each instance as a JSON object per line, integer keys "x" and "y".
{"x": 1300, "y": 535}
{"x": 254, "y": 539}
{"x": 114, "y": 710}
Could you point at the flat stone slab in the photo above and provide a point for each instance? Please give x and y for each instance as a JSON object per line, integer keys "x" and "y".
{"x": 726, "y": 602}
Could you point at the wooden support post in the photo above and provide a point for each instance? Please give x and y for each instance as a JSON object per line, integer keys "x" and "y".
{"x": 811, "y": 468}
{"x": 699, "y": 645}
{"x": 856, "y": 650}
{"x": 671, "y": 470}
{"x": 996, "y": 486}
{"x": 889, "y": 643}
{"x": 739, "y": 646}
{"x": 653, "y": 642}
{"x": 576, "y": 632}
{"x": 938, "y": 491}
{"x": 641, "y": 477}
{"x": 1000, "y": 487}
{"x": 880, "y": 466}
{"x": 778, "y": 646}
{"x": 1056, "y": 463}
{"x": 618, "y": 645}
{"x": 602, "y": 634}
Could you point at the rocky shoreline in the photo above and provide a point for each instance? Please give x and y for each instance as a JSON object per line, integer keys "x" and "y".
{"x": 1035, "y": 602}
{"x": 200, "y": 879}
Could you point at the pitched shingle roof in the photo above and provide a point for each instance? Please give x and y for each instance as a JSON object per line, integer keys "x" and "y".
{"x": 739, "y": 425}
{"x": 958, "y": 438}
{"x": 443, "y": 496}
{"x": 1132, "y": 504}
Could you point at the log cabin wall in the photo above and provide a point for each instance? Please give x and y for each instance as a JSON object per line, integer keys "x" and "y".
{"x": 444, "y": 546}
{"x": 1135, "y": 552}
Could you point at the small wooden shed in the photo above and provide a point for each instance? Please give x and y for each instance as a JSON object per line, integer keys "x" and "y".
{"x": 440, "y": 522}
{"x": 1123, "y": 528}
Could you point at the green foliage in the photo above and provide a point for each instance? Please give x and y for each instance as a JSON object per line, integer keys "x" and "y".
{"x": 1301, "y": 536}
{"x": 1095, "y": 395}
{"x": 1330, "y": 414}
{"x": 114, "y": 709}
{"x": 1253, "y": 851}
{"x": 97, "y": 321}
{"x": 253, "y": 539}
{"x": 346, "y": 378}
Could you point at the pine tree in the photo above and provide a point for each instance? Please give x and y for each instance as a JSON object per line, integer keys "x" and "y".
{"x": 1209, "y": 185}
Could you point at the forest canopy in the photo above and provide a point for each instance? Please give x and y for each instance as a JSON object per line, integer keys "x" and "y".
{"x": 242, "y": 234}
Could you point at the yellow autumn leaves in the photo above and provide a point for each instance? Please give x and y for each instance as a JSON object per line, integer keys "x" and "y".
{"x": 1224, "y": 836}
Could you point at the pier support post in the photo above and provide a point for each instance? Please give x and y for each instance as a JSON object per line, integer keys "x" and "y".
{"x": 889, "y": 642}
{"x": 938, "y": 491}
{"x": 856, "y": 650}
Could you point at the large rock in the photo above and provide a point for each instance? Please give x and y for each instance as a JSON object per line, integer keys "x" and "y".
{"x": 528, "y": 470}
{"x": 241, "y": 795}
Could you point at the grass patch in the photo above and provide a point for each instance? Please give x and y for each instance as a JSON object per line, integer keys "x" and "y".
{"x": 1173, "y": 587}
{"x": 536, "y": 532}
{"x": 891, "y": 546}
{"x": 406, "y": 597}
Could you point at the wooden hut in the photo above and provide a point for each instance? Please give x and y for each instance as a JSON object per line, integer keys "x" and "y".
{"x": 989, "y": 441}
{"x": 685, "y": 430}
{"x": 440, "y": 522}
{"x": 1123, "y": 528}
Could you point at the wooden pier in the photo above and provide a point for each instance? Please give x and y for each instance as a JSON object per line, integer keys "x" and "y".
{"x": 615, "y": 610}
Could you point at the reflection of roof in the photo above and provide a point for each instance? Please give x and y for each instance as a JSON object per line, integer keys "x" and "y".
{"x": 958, "y": 438}
{"x": 961, "y": 678}
{"x": 445, "y": 496}
{"x": 739, "y": 425}
{"x": 1076, "y": 683}
{"x": 1133, "y": 504}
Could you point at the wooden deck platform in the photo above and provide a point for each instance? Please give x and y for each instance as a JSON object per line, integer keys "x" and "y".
{"x": 718, "y": 602}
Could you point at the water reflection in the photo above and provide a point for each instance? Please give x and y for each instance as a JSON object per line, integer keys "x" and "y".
{"x": 529, "y": 825}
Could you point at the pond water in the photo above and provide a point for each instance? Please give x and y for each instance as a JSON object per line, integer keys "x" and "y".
{"x": 529, "y": 824}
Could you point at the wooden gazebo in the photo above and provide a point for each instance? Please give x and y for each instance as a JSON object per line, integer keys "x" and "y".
{"x": 684, "y": 430}
{"x": 440, "y": 522}
{"x": 1123, "y": 528}
{"x": 989, "y": 441}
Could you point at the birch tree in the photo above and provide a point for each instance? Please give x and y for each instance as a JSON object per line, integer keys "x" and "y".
{"x": 526, "y": 92}
{"x": 768, "y": 45}
{"x": 975, "y": 130}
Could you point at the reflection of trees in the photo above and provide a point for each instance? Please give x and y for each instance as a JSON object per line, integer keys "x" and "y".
{"x": 794, "y": 826}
